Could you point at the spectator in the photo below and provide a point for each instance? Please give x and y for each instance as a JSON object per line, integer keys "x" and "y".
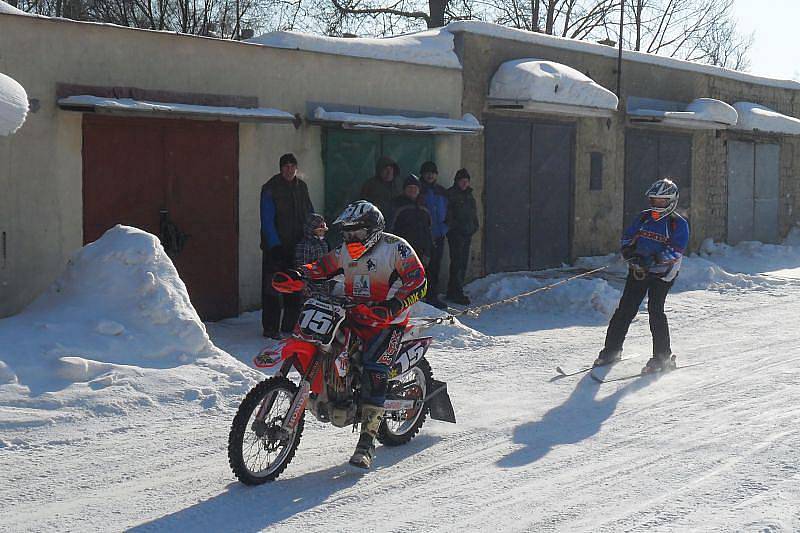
{"x": 435, "y": 198}
{"x": 384, "y": 186}
{"x": 312, "y": 247}
{"x": 462, "y": 221}
{"x": 284, "y": 206}
{"x": 412, "y": 221}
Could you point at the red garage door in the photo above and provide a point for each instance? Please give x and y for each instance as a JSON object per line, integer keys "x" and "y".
{"x": 178, "y": 175}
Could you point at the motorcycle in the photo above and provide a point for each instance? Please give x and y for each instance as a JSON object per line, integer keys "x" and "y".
{"x": 325, "y": 351}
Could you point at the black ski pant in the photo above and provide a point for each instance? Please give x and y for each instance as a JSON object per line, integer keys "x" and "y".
{"x": 434, "y": 267}
{"x": 635, "y": 290}
{"x": 279, "y": 312}
{"x": 459, "y": 257}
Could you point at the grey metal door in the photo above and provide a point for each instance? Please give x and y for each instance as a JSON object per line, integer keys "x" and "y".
{"x": 753, "y": 189}
{"x": 551, "y": 195}
{"x": 741, "y": 185}
{"x": 528, "y": 195}
{"x": 650, "y": 156}
{"x": 508, "y": 193}
{"x": 767, "y": 178}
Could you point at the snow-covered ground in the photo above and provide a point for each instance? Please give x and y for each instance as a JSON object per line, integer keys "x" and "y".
{"x": 115, "y": 407}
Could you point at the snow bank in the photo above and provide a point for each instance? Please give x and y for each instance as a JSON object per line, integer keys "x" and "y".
{"x": 455, "y": 334}
{"x": 13, "y": 104}
{"x": 537, "y": 80}
{"x": 431, "y": 47}
{"x": 119, "y": 312}
{"x": 757, "y": 117}
{"x": 593, "y": 298}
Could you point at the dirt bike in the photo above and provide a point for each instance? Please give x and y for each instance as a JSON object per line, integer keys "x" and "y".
{"x": 325, "y": 351}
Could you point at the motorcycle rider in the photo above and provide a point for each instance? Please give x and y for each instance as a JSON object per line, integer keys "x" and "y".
{"x": 383, "y": 272}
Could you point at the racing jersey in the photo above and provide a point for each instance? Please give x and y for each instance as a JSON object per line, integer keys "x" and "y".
{"x": 390, "y": 269}
{"x": 664, "y": 239}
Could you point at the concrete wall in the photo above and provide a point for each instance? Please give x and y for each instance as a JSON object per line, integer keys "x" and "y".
{"x": 598, "y": 214}
{"x": 40, "y": 166}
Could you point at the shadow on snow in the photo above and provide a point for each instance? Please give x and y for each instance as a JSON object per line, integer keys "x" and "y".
{"x": 245, "y": 508}
{"x": 577, "y": 419}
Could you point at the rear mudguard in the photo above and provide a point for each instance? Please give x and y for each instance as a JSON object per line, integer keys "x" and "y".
{"x": 439, "y": 402}
{"x": 298, "y": 351}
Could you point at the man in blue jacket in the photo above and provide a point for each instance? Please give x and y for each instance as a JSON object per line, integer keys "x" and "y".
{"x": 285, "y": 204}
{"x": 435, "y": 198}
{"x": 653, "y": 245}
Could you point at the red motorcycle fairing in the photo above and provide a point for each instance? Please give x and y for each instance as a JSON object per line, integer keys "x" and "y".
{"x": 300, "y": 351}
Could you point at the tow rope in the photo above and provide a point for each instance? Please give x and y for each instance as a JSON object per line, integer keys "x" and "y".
{"x": 478, "y": 309}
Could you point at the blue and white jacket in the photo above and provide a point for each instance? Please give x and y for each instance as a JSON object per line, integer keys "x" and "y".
{"x": 435, "y": 197}
{"x": 663, "y": 241}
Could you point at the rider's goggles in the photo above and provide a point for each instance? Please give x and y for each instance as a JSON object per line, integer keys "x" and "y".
{"x": 354, "y": 234}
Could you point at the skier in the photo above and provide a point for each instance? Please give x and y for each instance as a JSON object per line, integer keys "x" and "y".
{"x": 383, "y": 272}
{"x": 653, "y": 245}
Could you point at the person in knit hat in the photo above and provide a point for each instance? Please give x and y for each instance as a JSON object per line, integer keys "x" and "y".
{"x": 312, "y": 247}
{"x": 381, "y": 189}
{"x": 462, "y": 223}
{"x": 412, "y": 220}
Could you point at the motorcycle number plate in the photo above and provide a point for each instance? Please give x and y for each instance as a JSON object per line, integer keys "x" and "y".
{"x": 319, "y": 320}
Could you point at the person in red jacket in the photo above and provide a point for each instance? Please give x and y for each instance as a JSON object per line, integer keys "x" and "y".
{"x": 384, "y": 274}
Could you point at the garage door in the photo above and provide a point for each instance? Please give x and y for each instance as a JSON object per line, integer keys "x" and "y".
{"x": 528, "y": 194}
{"x": 178, "y": 174}
{"x": 753, "y": 188}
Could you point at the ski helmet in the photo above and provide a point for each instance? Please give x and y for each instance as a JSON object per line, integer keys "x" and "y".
{"x": 664, "y": 189}
{"x": 362, "y": 225}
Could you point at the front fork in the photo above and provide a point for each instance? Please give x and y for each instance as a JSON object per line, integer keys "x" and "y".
{"x": 295, "y": 412}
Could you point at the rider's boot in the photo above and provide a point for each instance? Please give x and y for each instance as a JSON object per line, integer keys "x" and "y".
{"x": 371, "y": 417}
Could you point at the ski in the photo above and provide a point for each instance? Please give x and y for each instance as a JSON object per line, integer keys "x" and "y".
{"x": 639, "y": 375}
{"x": 564, "y": 374}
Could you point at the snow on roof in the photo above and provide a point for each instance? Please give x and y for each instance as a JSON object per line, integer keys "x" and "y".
{"x": 8, "y": 9}
{"x": 495, "y": 30}
{"x": 466, "y": 126}
{"x": 702, "y": 113}
{"x": 430, "y": 47}
{"x": 535, "y": 80}
{"x": 757, "y": 117}
{"x": 127, "y": 105}
{"x": 13, "y": 105}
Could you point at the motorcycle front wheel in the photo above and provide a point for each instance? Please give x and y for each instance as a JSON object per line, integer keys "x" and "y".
{"x": 258, "y": 451}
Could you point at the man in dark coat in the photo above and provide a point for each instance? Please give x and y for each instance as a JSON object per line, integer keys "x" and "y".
{"x": 435, "y": 198}
{"x": 285, "y": 203}
{"x": 462, "y": 223}
{"x": 381, "y": 189}
{"x": 412, "y": 220}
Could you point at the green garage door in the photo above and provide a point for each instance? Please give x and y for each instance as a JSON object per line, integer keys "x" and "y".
{"x": 350, "y": 159}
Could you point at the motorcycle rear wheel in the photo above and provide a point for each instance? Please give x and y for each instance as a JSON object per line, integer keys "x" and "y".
{"x": 398, "y": 430}
{"x": 255, "y": 453}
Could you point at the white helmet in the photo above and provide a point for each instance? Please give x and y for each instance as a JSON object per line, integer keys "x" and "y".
{"x": 664, "y": 189}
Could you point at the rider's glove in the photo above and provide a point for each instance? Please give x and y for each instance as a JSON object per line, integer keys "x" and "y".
{"x": 628, "y": 251}
{"x": 288, "y": 282}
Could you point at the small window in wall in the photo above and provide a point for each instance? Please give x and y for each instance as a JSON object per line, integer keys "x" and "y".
{"x": 596, "y": 171}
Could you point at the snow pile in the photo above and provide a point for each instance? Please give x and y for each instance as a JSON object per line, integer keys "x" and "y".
{"x": 118, "y": 314}
{"x": 700, "y": 113}
{"x": 431, "y": 47}
{"x": 13, "y": 104}
{"x": 536, "y": 80}
{"x": 454, "y": 334}
{"x": 753, "y": 257}
{"x": 594, "y": 298}
{"x": 8, "y": 9}
{"x": 88, "y": 102}
{"x": 757, "y": 117}
{"x": 467, "y": 124}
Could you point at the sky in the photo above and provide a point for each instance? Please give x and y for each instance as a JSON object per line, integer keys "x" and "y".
{"x": 776, "y": 47}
